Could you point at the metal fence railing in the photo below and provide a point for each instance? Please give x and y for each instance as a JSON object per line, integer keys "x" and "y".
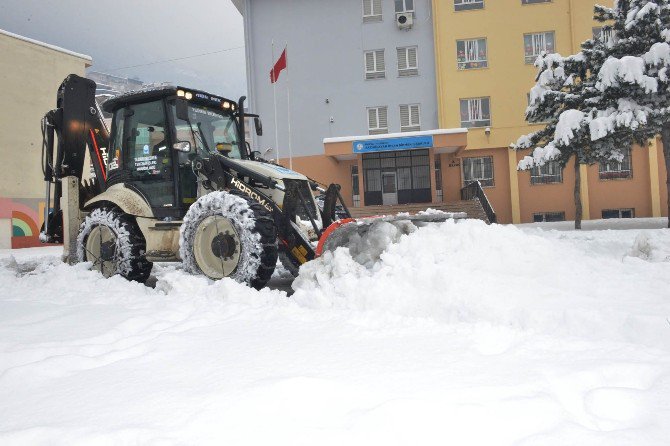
{"x": 474, "y": 191}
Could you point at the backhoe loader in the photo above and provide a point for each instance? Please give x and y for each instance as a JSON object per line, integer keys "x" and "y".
{"x": 174, "y": 180}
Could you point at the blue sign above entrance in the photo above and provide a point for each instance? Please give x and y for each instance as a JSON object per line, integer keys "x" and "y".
{"x": 392, "y": 144}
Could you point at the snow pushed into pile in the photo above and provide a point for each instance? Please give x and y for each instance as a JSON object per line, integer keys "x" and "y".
{"x": 470, "y": 272}
{"x": 653, "y": 249}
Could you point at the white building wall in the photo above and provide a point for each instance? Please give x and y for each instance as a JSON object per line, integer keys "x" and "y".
{"x": 326, "y": 40}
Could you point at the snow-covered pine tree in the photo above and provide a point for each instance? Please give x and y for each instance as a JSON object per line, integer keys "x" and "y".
{"x": 633, "y": 80}
{"x": 563, "y": 100}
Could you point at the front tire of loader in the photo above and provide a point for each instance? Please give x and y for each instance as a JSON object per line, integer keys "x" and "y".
{"x": 113, "y": 242}
{"x": 289, "y": 264}
{"x": 228, "y": 235}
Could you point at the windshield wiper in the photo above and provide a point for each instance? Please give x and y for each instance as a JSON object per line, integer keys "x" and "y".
{"x": 202, "y": 138}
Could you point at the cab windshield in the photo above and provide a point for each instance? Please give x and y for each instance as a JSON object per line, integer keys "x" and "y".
{"x": 208, "y": 130}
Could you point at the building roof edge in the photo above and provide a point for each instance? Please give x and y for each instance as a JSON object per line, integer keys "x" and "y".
{"x": 46, "y": 45}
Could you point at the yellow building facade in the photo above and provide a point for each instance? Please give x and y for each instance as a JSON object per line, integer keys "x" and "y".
{"x": 30, "y": 76}
{"x": 484, "y": 52}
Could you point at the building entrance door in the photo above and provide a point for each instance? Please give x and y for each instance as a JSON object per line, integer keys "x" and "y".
{"x": 389, "y": 188}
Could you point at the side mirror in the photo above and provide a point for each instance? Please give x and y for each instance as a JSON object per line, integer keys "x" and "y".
{"x": 182, "y": 109}
{"x": 259, "y": 126}
{"x": 182, "y": 146}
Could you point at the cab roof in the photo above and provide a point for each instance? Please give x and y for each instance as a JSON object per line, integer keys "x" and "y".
{"x": 152, "y": 92}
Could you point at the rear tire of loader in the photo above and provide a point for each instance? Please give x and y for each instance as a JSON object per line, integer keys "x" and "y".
{"x": 113, "y": 242}
{"x": 228, "y": 235}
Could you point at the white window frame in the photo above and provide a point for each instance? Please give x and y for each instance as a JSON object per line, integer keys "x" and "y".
{"x": 549, "y": 173}
{"x": 404, "y": 4}
{"x": 619, "y": 211}
{"x": 374, "y": 16}
{"x": 413, "y": 116}
{"x": 474, "y": 44}
{"x": 378, "y": 130}
{"x": 473, "y": 107}
{"x": 560, "y": 214}
{"x": 408, "y": 70}
{"x": 460, "y": 5}
{"x": 485, "y": 182}
{"x": 376, "y": 73}
{"x": 529, "y": 59}
{"x": 356, "y": 198}
{"x": 614, "y": 170}
{"x": 439, "y": 185}
{"x": 606, "y": 35}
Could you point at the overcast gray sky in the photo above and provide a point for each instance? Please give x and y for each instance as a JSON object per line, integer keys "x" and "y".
{"x": 127, "y": 33}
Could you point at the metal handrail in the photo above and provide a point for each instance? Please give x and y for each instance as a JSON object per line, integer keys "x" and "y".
{"x": 474, "y": 190}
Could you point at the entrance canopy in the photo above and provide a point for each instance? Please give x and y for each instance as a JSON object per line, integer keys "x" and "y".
{"x": 441, "y": 140}
{"x": 396, "y": 168}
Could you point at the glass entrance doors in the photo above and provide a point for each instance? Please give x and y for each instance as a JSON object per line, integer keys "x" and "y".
{"x": 389, "y": 188}
{"x": 398, "y": 177}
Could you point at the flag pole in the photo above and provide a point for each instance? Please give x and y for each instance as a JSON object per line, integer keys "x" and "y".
{"x": 288, "y": 102}
{"x": 274, "y": 94}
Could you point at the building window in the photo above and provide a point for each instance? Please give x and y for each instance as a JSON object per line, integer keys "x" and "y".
{"x": 537, "y": 43}
{"x": 375, "y": 68}
{"x": 438, "y": 178}
{"x": 618, "y": 213}
{"x": 410, "y": 118}
{"x": 540, "y": 217}
{"x": 530, "y": 2}
{"x": 548, "y": 173}
{"x": 604, "y": 34}
{"x": 615, "y": 170}
{"x": 377, "y": 120}
{"x": 404, "y": 5}
{"x": 372, "y": 11}
{"x": 471, "y": 54}
{"x": 407, "y": 61}
{"x": 475, "y": 112}
{"x": 464, "y": 5}
{"x": 478, "y": 169}
{"x": 356, "y": 198}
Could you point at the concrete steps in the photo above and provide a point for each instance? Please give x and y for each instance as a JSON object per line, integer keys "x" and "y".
{"x": 473, "y": 208}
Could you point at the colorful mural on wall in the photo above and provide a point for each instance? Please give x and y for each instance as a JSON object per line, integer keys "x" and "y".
{"x": 27, "y": 216}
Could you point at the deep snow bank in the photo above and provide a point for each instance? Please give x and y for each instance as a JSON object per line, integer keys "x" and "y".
{"x": 467, "y": 272}
{"x": 458, "y": 334}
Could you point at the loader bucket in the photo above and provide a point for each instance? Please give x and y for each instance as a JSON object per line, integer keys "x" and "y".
{"x": 342, "y": 232}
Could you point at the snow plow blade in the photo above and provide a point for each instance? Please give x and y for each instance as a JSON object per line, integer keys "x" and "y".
{"x": 344, "y": 232}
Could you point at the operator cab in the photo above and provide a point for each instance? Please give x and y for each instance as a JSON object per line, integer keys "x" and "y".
{"x": 156, "y": 134}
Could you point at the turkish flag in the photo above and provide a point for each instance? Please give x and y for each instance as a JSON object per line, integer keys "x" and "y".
{"x": 279, "y": 66}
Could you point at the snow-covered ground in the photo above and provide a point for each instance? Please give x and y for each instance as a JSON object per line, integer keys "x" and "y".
{"x": 461, "y": 333}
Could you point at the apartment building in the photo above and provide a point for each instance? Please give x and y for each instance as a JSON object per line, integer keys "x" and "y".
{"x": 485, "y": 51}
{"x": 355, "y": 68}
{"x": 352, "y": 69}
{"x": 364, "y": 115}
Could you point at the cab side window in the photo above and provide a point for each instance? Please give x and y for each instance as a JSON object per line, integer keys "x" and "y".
{"x": 145, "y": 142}
{"x": 141, "y": 147}
{"x": 114, "y": 158}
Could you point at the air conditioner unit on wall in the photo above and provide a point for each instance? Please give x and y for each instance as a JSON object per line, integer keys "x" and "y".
{"x": 404, "y": 20}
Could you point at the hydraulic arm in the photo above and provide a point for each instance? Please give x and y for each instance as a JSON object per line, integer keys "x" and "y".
{"x": 76, "y": 123}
